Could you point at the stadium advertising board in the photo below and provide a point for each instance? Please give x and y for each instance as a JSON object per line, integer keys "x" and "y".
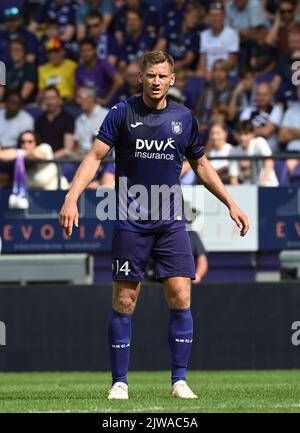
{"x": 274, "y": 215}
{"x": 37, "y": 229}
{"x": 279, "y": 218}
{"x": 212, "y": 222}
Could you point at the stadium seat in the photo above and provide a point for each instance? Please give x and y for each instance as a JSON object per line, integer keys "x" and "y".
{"x": 73, "y": 268}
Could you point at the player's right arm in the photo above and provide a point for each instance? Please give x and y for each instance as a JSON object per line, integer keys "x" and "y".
{"x": 84, "y": 175}
{"x": 108, "y": 136}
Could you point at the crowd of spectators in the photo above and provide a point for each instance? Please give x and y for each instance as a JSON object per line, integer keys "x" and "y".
{"x": 237, "y": 65}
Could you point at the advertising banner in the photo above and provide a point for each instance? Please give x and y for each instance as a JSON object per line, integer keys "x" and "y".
{"x": 279, "y": 218}
{"x": 211, "y": 220}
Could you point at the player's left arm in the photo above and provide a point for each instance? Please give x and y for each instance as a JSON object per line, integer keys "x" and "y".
{"x": 211, "y": 180}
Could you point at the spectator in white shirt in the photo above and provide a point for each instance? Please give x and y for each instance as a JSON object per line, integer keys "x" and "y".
{"x": 13, "y": 121}
{"x": 249, "y": 145}
{"x": 88, "y": 123}
{"x": 86, "y": 128}
{"x": 265, "y": 115}
{"x": 217, "y": 42}
{"x": 218, "y": 146}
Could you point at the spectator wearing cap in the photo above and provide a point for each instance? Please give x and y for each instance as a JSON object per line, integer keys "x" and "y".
{"x": 14, "y": 29}
{"x": 147, "y": 12}
{"x": 58, "y": 71}
{"x": 52, "y": 31}
{"x": 132, "y": 85}
{"x": 182, "y": 43}
{"x": 137, "y": 40}
{"x": 99, "y": 74}
{"x": 21, "y": 76}
{"x": 62, "y": 11}
{"x": 107, "y": 47}
{"x": 105, "y": 8}
{"x": 283, "y": 22}
{"x": 217, "y": 42}
{"x": 244, "y": 16}
{"x": 13, "y": 121}
{"x": 56, "y": 126}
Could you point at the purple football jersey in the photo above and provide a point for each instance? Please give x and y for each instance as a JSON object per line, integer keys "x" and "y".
{"x": 150, "y": 146}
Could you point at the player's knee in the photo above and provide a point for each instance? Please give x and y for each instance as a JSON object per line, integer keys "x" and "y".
{"x": 179, "y": 301}
{"x": 124, "y": 303}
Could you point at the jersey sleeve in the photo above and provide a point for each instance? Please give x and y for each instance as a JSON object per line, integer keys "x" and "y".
{"x": 110, "y": 129}
{"x": 195, "y": 148}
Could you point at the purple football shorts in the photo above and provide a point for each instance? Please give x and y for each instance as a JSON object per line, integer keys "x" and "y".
{"x": 171, "y": 252}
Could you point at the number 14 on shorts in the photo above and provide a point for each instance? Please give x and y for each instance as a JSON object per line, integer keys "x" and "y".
{"x": 119, "y": 266}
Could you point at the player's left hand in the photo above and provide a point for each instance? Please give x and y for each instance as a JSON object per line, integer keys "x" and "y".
{"x": 240, "y": 219}
{"x": 197, "y": 279}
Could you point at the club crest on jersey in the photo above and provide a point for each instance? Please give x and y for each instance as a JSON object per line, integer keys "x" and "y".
{"x": 177, "y": 127}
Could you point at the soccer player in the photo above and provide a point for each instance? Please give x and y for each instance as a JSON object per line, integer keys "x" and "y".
{"x": 151, "y": 135}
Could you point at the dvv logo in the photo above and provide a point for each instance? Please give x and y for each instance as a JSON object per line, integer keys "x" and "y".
{"x": 154, "y": 144}
{"x": 2, "y": 334}
{"x": 154, "y": 149}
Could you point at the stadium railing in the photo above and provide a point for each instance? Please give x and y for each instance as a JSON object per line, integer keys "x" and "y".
{"x": 253, "y": 159}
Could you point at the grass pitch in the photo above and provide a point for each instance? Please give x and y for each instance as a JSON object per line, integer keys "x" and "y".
{"x": 229, "y": 391}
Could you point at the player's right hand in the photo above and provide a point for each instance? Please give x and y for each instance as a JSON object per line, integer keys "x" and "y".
{"x": 68, "y": 216}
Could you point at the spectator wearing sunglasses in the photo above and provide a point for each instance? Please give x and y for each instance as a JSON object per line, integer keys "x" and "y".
{"x": 107, "y": 47}
{"x": 39, "y": 175}
{"x": 283, "y": 22}
{"x": 104, "y": 7}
